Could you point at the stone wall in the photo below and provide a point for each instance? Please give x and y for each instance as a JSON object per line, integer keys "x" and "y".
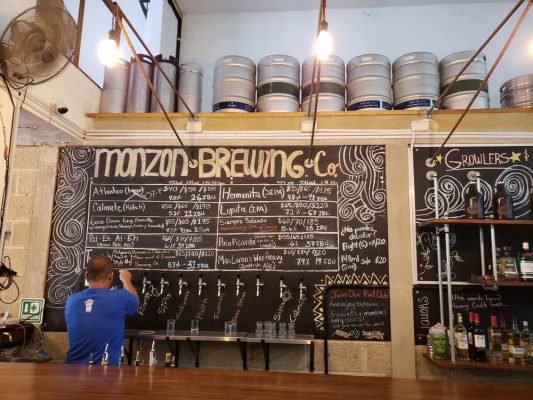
{"x": 28, "y": 221}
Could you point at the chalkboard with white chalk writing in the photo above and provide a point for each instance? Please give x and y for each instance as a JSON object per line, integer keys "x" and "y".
{"x": 357, "y": 313}
{"x": 220, "y": 233}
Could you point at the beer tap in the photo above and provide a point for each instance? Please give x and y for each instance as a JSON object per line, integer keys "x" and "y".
{"x": 122, "y": 358}
{"x": 163, "y": 282}
{"x": 239, "y": 285}
{"x": 282, "y": 287}
{"x": 302, "y": 288}
{"x": 145, "y": 282}
{"x": 258, "y": 285}
{"x": 181, "y": 284}
{"x": 220, "y": 285}
{"x": 105, "y": 356}
{"x": 152, "y": 362}
{"x": 201, "y": 284}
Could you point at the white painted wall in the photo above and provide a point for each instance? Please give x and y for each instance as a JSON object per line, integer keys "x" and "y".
{"x": 392, "y": 31}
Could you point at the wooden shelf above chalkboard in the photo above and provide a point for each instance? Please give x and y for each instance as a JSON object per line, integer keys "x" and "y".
{"x": 473, "y": 222}
{"x": 490, "y": 282}
{"x": 480, "y": 365}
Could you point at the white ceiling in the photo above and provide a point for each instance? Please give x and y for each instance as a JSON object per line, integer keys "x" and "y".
{"x": 33, "y": 130}
{"x": 236, "y": 6}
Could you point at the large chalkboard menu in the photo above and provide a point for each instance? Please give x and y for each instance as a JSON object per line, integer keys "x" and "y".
{"x": 357, "y": 312}
{"x": 510, "y": 165}
{"x": 264, "y": 215}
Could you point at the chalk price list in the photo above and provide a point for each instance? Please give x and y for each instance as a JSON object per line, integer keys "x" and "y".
{"x": 291, "y": 227}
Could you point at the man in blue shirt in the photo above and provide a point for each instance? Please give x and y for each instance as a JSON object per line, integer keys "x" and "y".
{"x": 95, "y": 316}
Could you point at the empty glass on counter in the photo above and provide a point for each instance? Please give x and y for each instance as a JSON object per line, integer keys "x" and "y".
{"x": 292, "y": 329}
{"x": 171, "y": 327}
{"x": 230, "y": 328}
{"x": 270, "y": 329}
{"x": 259, "y": 329}
{"x": 282, "y": 331}
{"x": 195, "y": 326}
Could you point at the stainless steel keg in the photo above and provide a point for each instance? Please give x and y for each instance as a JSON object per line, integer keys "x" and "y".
{"x": 138, "y": 99}
{"x": 278, "y": 84}
{"x": 332, "y": 94}
{"x": 462, "y": 91}
{"x": 162, "y": 87}
{"x": 190, "y": 87}
{"x": 415, "y": 81}
{"x": 115, "y": 88}
{"x": 517, "y": 92}
{"x": 369, "y": 83}
{"x": 234, "y": 85}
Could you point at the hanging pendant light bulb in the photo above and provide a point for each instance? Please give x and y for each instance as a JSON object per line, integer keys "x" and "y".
{"x": 324, "y": 42}
{"x": 108, "y": 52}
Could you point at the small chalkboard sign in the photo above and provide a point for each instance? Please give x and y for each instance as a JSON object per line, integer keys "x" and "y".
{"x": 505, "y": 303}
{"x": 357, "y": 313}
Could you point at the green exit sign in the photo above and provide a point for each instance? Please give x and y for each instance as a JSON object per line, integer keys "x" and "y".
{"x": 31, "y": 310}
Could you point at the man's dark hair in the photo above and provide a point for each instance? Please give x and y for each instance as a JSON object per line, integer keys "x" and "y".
{"x": 99, "y": 268}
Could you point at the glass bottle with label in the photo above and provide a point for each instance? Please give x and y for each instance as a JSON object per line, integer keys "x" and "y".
{"x": 495, "y": 341}
{"x": 508, "y": 269}
{"x": 480, "y": 344}
{"x": 461, "y": 339}
{"x": 525, "y": 262}
{"x": 516, "y": 345}
{"x": 502, "y": 203}
{"x": 505, "y": 339}
{"x": 526, "y": 341}
{"x": 470, "y": 334}
{"x": 473, "y": 199}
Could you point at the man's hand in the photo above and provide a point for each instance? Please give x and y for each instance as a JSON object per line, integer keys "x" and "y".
{"x": 125, "y": 276}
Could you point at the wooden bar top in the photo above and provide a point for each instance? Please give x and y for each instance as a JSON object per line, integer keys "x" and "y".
{"x": 61, "y": 381}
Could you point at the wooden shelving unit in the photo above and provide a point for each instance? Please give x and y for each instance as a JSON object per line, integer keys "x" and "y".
{"x": 478, "y": 280}
{"x": 480, "y": 365}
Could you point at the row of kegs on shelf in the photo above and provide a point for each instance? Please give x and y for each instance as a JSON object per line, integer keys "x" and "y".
{"x": 417, "y": 81}
{"x": 126, "y": 90}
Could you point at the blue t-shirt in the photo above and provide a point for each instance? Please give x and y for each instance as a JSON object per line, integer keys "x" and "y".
{"x": 95, "y": 317}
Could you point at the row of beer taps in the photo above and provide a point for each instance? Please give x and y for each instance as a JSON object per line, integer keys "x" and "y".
{"x": 221, "y": 286}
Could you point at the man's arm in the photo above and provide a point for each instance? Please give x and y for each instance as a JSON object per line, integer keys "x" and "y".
{"x": 125, "y": 277}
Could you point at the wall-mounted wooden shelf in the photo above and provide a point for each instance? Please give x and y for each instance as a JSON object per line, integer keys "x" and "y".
{"x": 478, "y": 280}
{"x": 480, "y": 365}
{"x": 474, "y": 222}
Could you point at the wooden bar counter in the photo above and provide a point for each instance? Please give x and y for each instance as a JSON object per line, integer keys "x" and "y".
{"x": 60, "y": 381}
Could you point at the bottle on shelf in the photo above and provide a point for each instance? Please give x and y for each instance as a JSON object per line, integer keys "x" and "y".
{"x": 508, "y": 269}
{"x": 470, "y": 334}
{"x": 495, "y": 341}
{"x": 525, "y": 262}
{"x": 526, "y": 340}
{"x": 473, "y": 199}
{"x": 480, "y": 344}
{"x": 461, "y": 339}
{"x": 502, "y": 202}
{"x": 505, "y": 339}
{"x": 516, "y": 345}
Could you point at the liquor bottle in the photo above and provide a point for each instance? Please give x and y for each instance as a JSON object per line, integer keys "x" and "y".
{"x": 505, "y": 339}
{"x": 508, "y": 269}
{"x": 526, "y": 340}
{"x": 516, "y": 345}
{"x": 470, "y": 334}
{"x": 461, "y": 339}
{"x": 480, "y": 344}
{"x": 495, "y": 341}
{"x": 474, "y": 207}
{"x": 502, "y": 203}
{"x": 525, "y": 262}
